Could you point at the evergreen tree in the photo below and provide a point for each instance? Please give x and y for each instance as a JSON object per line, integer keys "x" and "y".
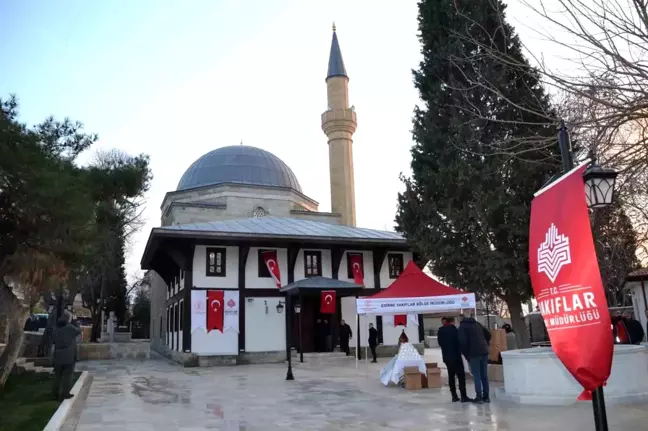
{"x": 466, "y": 207}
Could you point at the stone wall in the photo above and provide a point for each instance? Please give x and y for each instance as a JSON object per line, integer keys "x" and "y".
{"x": 99, "y": 351}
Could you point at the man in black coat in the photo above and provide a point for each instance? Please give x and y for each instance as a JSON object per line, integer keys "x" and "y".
{"x": 373, "y": 341}
{"x": 65, "y": 355}
{"x": 345, "y": 336}
{"x": 473, "y": 341}
{"x": 448, "y": 338}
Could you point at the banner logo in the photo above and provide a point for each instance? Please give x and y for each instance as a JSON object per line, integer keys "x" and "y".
{"x": 231, "y": 303}
{"x": 554, "y": 253}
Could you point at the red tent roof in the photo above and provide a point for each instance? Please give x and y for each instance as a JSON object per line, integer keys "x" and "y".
{"x": 414, "y": 283}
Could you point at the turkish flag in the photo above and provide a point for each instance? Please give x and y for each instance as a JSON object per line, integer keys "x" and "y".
{"x": 270, "y": 259}
{"x": 356, "y": 268}
{"x": 400, "y": 320}
{"x": 567, "y": 282}
{"x": 215, "y": 307}
{"x": 327, "y": 302}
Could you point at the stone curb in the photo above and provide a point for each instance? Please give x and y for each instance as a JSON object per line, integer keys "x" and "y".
{"x": 67, "y": 415}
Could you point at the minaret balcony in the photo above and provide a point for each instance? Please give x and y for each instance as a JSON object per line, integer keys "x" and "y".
{"x": 339, "y": 119}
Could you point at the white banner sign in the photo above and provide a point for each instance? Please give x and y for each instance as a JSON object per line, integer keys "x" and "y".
{"x": 415, "y": 305}
{"x": 198, "y": 309}
{"x": 231, "y": 318}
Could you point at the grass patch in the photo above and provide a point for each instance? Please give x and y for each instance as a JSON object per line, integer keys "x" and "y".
{"x": 26, "y": 402}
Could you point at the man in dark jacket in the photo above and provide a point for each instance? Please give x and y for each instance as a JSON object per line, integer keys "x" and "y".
{"x": 65, "y": 354}
{"x": 345, "y": 336}
{"x": 473, "y": 341}
{"x": 635, "y": 330}
{"x": 373, "y": 342}
{"x": 448, "y": 338}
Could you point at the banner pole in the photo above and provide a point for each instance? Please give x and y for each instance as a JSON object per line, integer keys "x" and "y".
{"x": 598, "y": 404}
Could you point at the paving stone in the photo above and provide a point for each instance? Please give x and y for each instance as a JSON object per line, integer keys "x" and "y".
{"x": 158, "y": 395}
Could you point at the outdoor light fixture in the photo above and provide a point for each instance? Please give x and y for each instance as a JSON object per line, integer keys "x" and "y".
{"x": 599, "y": 186}
{"x": 297, "y": 308}
{"x": 280, "y": 307}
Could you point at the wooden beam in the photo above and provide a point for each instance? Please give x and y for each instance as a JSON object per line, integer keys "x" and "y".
{"x": 188, "y": 285}
{"x": 378, "y": 260}
{"x": 244, "y": 251}
{"x": 336, "y": 258}
{"x": 293, "y": 252}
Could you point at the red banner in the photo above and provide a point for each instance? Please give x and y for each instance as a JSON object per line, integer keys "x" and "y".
{"x": 327, "y": 302}
{"x": 270, "y": 259}
{"x": 357, "y": 268}
{"x": 215, "y": 306}
{"x": 567, "y": 282}
{"x": 400, "y": 320}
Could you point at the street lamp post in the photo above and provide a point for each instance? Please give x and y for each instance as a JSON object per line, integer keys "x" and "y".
{"x": 289, "y": 373}
{"x": 599, "y": 191}
{"x": 301, "y": 346}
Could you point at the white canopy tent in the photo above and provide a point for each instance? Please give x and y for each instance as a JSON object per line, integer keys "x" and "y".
{"x": 414, "y": 292}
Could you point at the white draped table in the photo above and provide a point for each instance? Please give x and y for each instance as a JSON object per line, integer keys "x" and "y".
{"x": 395, "y": 370}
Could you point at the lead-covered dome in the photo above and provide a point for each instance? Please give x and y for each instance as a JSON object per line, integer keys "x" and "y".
{"x": 239, "y": 164}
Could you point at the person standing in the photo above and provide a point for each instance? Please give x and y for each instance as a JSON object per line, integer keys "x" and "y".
{"x": 635, "y": 330}
{"x": 345, "y": 336}
{"x": 448, "y": 338}
{"x": 473, "y": 342}
{"x": 328, "y": 340}
{"x": 65, "y": 355}
{"x": 373, "y": 342}
{"x": 319, "y": 336}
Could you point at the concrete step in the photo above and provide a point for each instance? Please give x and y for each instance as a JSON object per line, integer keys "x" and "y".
{"x": 40, "y": 362}
{"x": 323, "y": 358}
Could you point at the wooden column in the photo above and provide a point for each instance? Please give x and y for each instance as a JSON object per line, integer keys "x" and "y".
{"x": 244, "y": 251}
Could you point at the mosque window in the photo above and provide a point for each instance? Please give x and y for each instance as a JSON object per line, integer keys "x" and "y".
{"x": 215, "y": 262}
{"x": 395, "y": 263}
{"x": 312, "y": 263}
{"x": 259, "y": 212}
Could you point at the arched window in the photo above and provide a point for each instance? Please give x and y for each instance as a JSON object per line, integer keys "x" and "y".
{"x": 259, "y": 212}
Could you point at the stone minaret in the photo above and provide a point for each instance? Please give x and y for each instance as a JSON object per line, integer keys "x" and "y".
{"x": 339, "y": 124}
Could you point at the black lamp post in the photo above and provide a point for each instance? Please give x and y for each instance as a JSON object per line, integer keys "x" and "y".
{"x": 599, "y": 191}
{"x": 301, "y": 346}
{"x": 289, "y": 373}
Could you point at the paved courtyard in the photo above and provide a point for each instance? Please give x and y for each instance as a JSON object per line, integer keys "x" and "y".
{"x": 159, "y": 395}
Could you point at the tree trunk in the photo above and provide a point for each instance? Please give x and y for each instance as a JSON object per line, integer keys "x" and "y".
{"x": 16, "y": 315}
{"x": 517, "y": 321}
{"x": 3, "y": 327}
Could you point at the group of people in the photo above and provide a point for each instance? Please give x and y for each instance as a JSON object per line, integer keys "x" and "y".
{"x": 471, "y": 340}
{"x": 626, "y": 329}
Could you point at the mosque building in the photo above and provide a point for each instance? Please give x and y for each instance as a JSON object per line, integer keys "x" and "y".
{"x": 239, "y": 235}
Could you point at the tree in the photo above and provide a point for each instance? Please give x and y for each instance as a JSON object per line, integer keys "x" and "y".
{"x": 466, "y": 207}
{"x": 118, "y": 182}
{"x": 616, "y": 246}
{"x": 45, "y": 211}
{"x": 605, "y": 93}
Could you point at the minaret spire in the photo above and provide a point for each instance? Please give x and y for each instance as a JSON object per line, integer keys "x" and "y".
{"x": 336, "y": 64}
{"x": 339, "y": 124}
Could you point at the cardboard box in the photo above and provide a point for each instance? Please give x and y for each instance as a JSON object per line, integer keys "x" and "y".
{"x": 413, "y": 379}
{"x": 434, "y": 378}
{"x": 497, "y": 344}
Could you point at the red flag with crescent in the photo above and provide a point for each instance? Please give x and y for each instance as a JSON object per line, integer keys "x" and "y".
{"x": 400, "y": 320}
{"x": 215, "y": 307}
{"x": 357, "y": 268}
{"x": 327, "y": 302}
{"x": 270, "y": 259}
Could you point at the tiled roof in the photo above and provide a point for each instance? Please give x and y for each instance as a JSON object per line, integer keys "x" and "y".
{"x": 283, "y": 228}
{"x": 319, "y": 283}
